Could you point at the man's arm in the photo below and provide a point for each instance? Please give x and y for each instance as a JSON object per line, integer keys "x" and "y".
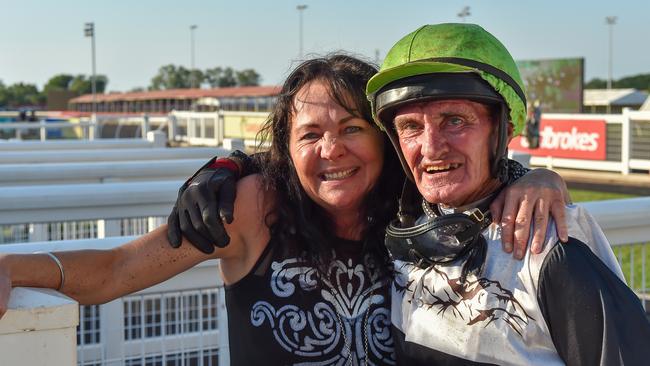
{"x": 593, "y": 317}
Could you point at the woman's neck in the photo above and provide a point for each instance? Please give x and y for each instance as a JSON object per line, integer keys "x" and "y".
{"x": 349, "y": 225}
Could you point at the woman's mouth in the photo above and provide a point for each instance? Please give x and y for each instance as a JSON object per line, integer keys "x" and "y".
{"x": 339, "y": 175}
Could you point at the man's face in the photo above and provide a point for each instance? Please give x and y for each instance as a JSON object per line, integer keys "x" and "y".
{"x": 447, "y": 145}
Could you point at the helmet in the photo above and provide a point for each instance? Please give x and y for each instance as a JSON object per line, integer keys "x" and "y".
{"x": 450, "y": 61}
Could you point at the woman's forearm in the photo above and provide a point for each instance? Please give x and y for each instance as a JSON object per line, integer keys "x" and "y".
{"x": 98, "y": 276}
{"x": 86, "y": 273}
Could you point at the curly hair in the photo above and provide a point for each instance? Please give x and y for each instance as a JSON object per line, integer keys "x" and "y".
{"x": 296, "y": 218}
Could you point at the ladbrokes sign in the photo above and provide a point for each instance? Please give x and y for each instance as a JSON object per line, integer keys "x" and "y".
{"x": 573, "y": 139}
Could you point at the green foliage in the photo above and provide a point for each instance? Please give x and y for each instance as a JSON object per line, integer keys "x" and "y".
{"x": 20, "y": 95}
{"x": 172, "y": 77}
{"x": 58, "y": 82}
{"x": 178, "y": 77}
{"x": 640, "y": 82}
{"x": 248, "y": 77}
{"x": 596, "y": 84}
{"x": 80, "y": 84}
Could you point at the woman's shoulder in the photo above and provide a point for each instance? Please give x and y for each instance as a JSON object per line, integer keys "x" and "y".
{"x": 253, "y": 197}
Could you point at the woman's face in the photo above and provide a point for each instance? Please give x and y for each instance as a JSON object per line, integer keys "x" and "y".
{"x": 338, "y": 156}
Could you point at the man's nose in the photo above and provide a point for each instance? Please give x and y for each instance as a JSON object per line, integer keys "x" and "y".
{"x": 332, "y": 148}
{"x": 434, "y": 144}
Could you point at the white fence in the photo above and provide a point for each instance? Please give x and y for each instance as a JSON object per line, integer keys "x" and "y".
{"x": 194, "y": 128}
{"x": 180, "y": 320}
{"x": 627, "y": 143}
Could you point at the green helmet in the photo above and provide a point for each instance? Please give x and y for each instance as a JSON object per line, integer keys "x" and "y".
{"x": 450, "y": 61}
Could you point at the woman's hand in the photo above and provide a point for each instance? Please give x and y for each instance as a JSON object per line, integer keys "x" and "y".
{"x": 528, "y": 200}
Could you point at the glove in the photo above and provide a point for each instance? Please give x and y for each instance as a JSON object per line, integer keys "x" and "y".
{"x": 205, "y": 201}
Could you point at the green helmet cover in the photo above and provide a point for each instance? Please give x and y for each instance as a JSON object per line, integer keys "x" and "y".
{"x": 451, "y": 48}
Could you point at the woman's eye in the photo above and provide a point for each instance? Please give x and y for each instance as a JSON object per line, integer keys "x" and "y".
{"x": 352, "y": 129}
{"x": 309, "y": 136}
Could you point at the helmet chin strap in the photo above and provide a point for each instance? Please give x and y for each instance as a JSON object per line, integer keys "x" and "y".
{"x": 500, "y": 160}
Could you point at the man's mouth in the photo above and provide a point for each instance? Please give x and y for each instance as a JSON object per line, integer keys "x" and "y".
{"x": 342, "y": 174}
{"x": 432, "y": 169}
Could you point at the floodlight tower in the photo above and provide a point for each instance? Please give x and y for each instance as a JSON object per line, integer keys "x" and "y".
{"x": 610, "y": 20}
{"x": 300, "y": 9}
{"x": 464, "y": 12}
{"x": 89, "y": 31}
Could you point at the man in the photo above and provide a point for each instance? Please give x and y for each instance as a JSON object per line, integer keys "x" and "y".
{"x": 451, "y": 98}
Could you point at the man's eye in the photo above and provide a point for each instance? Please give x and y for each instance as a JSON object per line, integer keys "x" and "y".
{"x": 455, "y": 121}
{"x": 407, "y": 126}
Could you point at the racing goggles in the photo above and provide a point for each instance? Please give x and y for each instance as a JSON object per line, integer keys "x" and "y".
{"x": 441, "y": 239}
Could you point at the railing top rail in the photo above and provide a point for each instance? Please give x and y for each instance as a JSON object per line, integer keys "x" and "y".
{"x": 24, "y": 157}
{"x": 74, "y": 144}
{"x": 67, "y": 202}
{"x": 77, "y": 172}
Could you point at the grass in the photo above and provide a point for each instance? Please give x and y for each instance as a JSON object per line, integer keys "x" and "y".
{"x": 630, "y": 256}
{"x": 579, "y": 195}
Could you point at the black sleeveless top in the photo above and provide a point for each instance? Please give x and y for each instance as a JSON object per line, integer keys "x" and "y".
{"x": 285, "y": 313}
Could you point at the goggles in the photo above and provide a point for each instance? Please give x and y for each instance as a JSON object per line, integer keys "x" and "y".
{"x": 441, "y": 239}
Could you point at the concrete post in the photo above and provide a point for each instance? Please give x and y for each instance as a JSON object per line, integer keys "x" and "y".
{"x": 39, "y": 328}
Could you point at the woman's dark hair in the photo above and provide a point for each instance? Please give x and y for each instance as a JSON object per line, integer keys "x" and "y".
{"x": 296, "y": 218}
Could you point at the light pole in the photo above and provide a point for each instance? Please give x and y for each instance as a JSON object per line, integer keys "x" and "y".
{"x": 610, "y": 20}
{"x": 192, "y": 29}
{"x": 300, "y": 9}
{"x": 89, "y": 31}
{"x": 464, "y": 12}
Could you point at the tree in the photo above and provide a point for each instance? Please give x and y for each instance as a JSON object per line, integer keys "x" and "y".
{"x": 4, "y": 96}
{"x": 172, "y": 77}
{"x": 248, "y": 77}
{"x": 58, "y": 82}
{"x": 596, "y": 83}
{"x": 82, "y": 85}
{"x": 227, "y": 78}
{"x": 213, "y": 75}
{"x": 640, "y": 82}
{"x": 21, "y": 94}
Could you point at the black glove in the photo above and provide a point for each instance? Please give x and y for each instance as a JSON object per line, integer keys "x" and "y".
{"x": 205, "y": 201}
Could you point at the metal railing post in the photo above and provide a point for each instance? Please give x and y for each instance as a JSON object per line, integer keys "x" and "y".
{"x": 145, "y": 125}
{"x": 42, "y": 130}
{"x": 625, "y": 142}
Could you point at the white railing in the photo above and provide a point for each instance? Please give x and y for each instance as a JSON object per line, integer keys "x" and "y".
{"x": 97, "y": 172}
{"x": 88, "y": 127}
{"x": 29, "y": 145}
{"x": 628, "y": 122}
{"x": 194, "y": 128}
{"x": 62, "y": 156}
{"x": 187, "y": 312}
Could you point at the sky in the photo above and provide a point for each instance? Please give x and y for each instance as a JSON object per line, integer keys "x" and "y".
{"x": 135, "y": 38}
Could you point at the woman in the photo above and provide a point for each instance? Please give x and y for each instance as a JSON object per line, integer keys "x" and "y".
{"x": 306, "y": 272}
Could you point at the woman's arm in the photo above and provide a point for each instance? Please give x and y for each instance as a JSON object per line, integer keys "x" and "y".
{"x": 97, "y": 276}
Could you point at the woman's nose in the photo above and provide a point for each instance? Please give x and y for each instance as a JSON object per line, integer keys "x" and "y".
{"x": 332, "y": 148}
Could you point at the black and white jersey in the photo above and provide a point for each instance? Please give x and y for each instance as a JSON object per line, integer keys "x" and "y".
{"x": 567, "y": 305}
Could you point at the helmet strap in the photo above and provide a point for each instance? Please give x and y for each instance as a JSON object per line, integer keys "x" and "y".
{"x": 500, "y": 159}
